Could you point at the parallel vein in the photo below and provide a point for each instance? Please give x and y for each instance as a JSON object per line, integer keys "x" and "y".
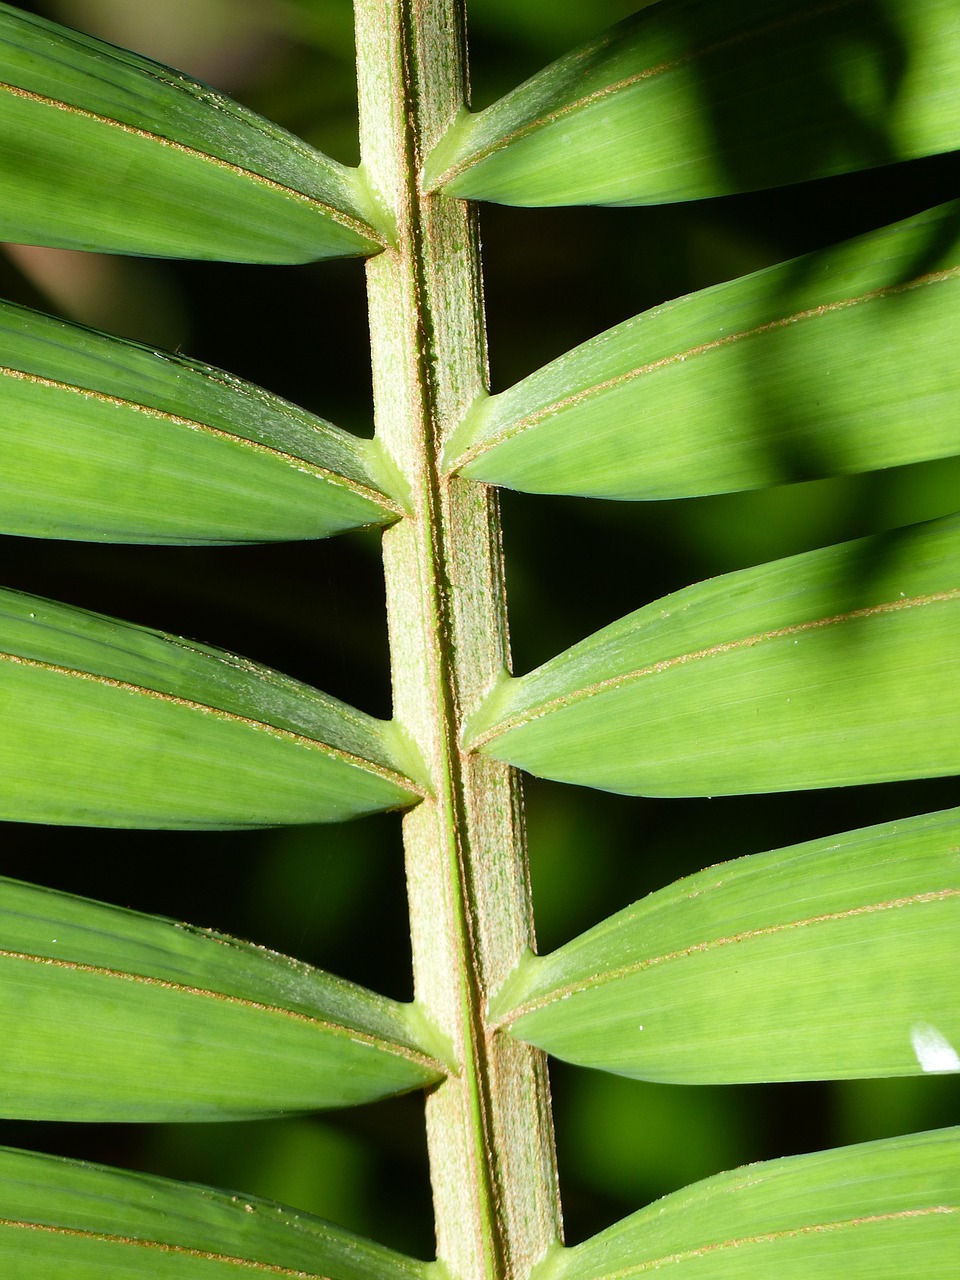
{"x": 534, "y": 418}
{"x": 698, "y": 655}
{"x": 627, "y": 82}
{"x": 288, "y": 735}
{"x": 713, "y": 944}
{"x": 161, "y": 415}
{"x": 772, "y": 1237}
{"x": 293, "y": 1015}
{"x": 160, "y": 1246}
{"x": 351, "y": 223}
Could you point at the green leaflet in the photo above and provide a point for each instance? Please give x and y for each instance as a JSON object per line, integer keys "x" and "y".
{"x": 84, "y": 1222}
{"x": 758, "y": 969}
{"x": 690, "y": 98}
{"x": 102, "y": 149}
{"x": 878, "y": 1211}
{"x": 108, "y": 724}
{"x": 112, "y": 441}
{"x": 831, "y": 668}
{"x": 804, "y": 370}
{"x": 113, "y": 1015}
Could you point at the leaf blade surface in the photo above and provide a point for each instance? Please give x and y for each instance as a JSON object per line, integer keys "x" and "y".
{"x": 81, "y": 1221}
{"x": 108, "y": 724}
{"x": 117, "y": 1016}
{"x": 808, "y": 369}
{"x": 844, "y": 658}
{"x": 757, "y": 970}
{"x": 102, "y": 149}
{"x": 687, "y": 100}
{"x": 107, "y": 440}
{"x": 880, "y": 1210}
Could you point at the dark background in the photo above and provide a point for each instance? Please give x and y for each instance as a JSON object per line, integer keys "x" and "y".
{"x": 334, "y": 895}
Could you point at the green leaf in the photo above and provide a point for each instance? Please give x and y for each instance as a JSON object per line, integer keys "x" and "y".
{"x": 108, "y": 440}
{"x": 757, "y": 969}
{"x": 807, "y": 369}
{"x": 102, "y": 149}
{"x": 84, "y": 1222}
{"x": 113, "y": 1015}
{"x": 108, "y": 724}
{"x": 879, "y": 1211}
{"x": 690, "y": 98}
{"x": 831, "y": 668}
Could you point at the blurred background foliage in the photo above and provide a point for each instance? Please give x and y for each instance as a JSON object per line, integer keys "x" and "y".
{"x": 334, "y": 895}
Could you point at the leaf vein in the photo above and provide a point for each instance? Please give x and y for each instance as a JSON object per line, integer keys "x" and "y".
{"x": 346, "y": 220}
{"x": 161, "y": 415}
{"x": 773, "y": 1237}
{"x": 571, "y": 401}
{"x": 627, "y": 82}
{"x": 714, "y": 944}
{"x": 564, "y": 701}
{"x": 161, "y": 1246}
{"x": 366, "y": 1038}
{"x": 261, "y": 726}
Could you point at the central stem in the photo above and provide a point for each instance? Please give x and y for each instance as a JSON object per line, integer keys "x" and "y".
{"x": 488, "y": 1125}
